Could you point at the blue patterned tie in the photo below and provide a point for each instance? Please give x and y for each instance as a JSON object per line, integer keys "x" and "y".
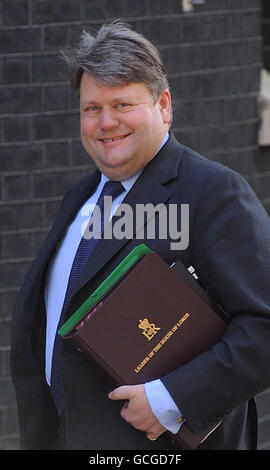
{"x": 84, "y": 251}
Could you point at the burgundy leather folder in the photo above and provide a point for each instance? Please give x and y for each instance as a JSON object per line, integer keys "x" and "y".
{"x": 153, "y": 321}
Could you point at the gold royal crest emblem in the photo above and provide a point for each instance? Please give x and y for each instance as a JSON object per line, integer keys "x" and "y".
{"x": 149, "y": 329}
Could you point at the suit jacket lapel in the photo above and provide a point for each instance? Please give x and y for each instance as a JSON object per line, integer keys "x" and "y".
{"x": 77, "y": 197}
{"x": 70, "y": 208}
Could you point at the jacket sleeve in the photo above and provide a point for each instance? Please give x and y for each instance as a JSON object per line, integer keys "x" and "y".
{"x": 231, "y": 248}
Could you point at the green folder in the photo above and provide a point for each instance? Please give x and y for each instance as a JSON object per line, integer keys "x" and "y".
{"x": 103, "y": 288}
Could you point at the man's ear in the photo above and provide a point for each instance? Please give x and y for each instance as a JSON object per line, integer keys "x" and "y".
{"x": 165, "y": 106}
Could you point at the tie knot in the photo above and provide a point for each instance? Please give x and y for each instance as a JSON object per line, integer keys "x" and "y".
{"x": 112, "y": 188}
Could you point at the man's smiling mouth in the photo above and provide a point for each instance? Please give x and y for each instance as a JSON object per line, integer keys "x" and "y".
{"x": 114, "y": 139}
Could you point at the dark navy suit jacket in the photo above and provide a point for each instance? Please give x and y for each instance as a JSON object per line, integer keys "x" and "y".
{"x": 229, "y": 248}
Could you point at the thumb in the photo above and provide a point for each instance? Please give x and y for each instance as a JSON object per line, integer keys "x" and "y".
{"x": 121, "y": 393}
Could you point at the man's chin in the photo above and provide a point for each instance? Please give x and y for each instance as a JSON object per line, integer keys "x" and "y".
{"x": 117, "y": 170}
{"x": 114, "y": 161}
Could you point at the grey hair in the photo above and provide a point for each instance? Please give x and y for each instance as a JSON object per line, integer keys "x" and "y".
{"x": 117, "y": 55}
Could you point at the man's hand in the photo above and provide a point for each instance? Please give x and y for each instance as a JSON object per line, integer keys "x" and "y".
{"x": 136, "y": 410}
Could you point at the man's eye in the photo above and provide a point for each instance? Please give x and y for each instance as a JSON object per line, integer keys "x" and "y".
{"x": 92, "y": 108}
{"x": 123, "y": 105}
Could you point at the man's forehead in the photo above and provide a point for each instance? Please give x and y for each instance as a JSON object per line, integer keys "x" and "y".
{"x": 91, "y": 89}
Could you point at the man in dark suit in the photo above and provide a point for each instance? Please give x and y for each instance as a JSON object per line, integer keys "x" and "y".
{"x": 125, "y": 118}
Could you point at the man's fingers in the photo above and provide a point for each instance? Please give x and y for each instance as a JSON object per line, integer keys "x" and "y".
{"x": 136, "y": 410}
{"x": 121, "y": 393}
{"x": 124, "y": 411}
{"x": 151, "y": 436}
{"x": 155, "y": 432}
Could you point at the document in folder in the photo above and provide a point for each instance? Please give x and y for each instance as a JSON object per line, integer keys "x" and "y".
{"x": 144, "y": 321}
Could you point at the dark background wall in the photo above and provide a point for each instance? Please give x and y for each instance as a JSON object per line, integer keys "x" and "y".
{"x": 213, "y": 57}
{"x": 266, "y": 34}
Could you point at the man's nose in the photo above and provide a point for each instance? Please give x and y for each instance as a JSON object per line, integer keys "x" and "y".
{"x": 108, "y": 119}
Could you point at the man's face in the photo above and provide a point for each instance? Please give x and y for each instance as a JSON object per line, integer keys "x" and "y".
{"x": 121, "y": 127}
